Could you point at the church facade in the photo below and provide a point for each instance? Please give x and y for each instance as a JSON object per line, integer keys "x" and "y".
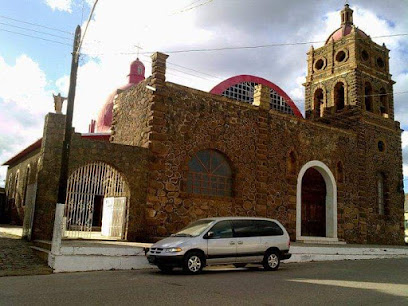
{"x": 182, "y": 154}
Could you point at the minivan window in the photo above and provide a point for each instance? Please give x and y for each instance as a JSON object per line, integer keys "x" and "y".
{"x": 245, "y": 228}
{"x": 222, "y": 229}
{"x": 193, "y": 229}
{"x": 268, "y": 228}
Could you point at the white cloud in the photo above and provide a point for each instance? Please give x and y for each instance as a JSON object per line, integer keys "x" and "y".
{"x": 24, "y": 85}
{"x": 24, "y": 100}
{"x": 405, "y": 153}
{"x": 405, "y": 140}
{"x": 60, "y": 5}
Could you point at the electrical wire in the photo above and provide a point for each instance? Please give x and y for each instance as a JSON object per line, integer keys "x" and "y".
{"x": 36, "y": 31}
{"x": 37, "y": 37}
{"x": 36, "y": 24}
{"x": 261, "y": 46}
{"x": 189, "y": 8}
{"x": 235, "y": 48}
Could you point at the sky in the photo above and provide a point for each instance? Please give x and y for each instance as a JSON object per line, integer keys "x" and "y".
{"x": 33, "y": 68}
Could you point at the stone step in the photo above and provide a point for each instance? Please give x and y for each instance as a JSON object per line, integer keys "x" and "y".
{"x": 41, "y": 253}
{"x": 43, "y": 244}
{"x": 319, "y": 241}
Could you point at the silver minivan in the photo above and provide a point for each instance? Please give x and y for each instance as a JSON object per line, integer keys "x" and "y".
{"x": 223, "y": 241}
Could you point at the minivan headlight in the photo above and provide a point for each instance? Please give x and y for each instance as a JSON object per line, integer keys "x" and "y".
{"x": 173, "y": 250}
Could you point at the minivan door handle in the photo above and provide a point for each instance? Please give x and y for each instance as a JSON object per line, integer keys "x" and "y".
{"x": 240, "y": 242}
{"x": 232, "y": 242}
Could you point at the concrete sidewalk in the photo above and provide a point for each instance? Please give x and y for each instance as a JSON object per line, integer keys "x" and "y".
{"x": 303, "y": 252}
{"x": 17, "y": 257}
{"x": 106, "y": 255}
{"x": 14, "y": 230}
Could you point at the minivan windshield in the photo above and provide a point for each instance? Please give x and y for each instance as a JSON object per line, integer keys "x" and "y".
{"x": 194, "y": 229}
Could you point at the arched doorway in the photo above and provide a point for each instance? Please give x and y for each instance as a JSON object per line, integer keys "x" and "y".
{"x": 313, "y": 204}
{"x": 316, "y": 208}
{"x": 97, "y": 197}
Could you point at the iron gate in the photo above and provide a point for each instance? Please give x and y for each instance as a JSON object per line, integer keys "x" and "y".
{"x": 90, "y": 191}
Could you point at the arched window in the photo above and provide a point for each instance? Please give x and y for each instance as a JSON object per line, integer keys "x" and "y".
{"x": 15, "y": 187}
{"x": 209, "y": 173}
{"x": 368, "y": 97}
{"x": 340, "y": 172}
{"x": 10, "y": 186}
{"x": 318, "y": 102}
{"x": 27, "y": 180}
{"x": 292, "y": 163}
{"x": 381, "y": 193}
{"x": 383, "y": 103}
{"x": 339, "y": 96}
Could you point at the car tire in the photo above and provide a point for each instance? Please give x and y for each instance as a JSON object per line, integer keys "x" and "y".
{"x": 240, "y": 265}
{"x": 193, "y": 263}
{"x": 165, "y": 269}
{"x": 271, "y": 260}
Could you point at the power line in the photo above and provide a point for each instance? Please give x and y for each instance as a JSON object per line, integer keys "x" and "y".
{"x": 187, "y": 68}
{"x": 237, "y": 48}
{"x": 36, "y": 31}
{"x": 36, "y": 24}
{"x": 214, "y": 76}
{"x": 37, "y": 37}
{"x": 190, "y": 7}
{"x": 261, "y": 46}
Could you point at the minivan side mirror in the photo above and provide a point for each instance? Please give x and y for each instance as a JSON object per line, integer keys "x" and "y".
{"x": 209, "y": 235}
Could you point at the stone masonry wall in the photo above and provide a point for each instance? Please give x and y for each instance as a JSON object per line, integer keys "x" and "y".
{"x": 384, "y": 228}
{"x": 130, "y": 161}
{"x": 257, "y": 142}
{"x": 15, "y": 198}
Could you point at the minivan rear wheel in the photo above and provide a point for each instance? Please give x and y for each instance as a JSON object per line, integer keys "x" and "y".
{"x": 193, "y": 263}
{"x": 271, "y": 260}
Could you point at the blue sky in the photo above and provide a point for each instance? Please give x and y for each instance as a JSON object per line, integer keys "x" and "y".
{"x": 32, "y": 69}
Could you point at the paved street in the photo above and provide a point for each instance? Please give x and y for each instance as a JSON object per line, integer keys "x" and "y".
{"x": 364, "y": 282}
{"x": 16, "y": 258}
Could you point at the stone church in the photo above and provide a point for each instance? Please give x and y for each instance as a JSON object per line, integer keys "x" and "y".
{"x": 164, "y": 155}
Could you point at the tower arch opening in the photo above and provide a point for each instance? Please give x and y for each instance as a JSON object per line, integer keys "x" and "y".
{"x": 368, "y": 97}
{"x": 384, "y": 107}
{"x": 339, "y": 96}
{"x": 318, "y": 102}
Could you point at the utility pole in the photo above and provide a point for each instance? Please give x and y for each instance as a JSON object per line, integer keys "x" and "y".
{"x": 62, "y": 190}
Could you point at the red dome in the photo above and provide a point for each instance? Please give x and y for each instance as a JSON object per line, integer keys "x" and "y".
{"x": 235, "y": 80}
{"x": 136, "y": 75}
{"x": 345, "y": 30}
{"x": 137, "y": 72}
{"x": 104, "y": 121}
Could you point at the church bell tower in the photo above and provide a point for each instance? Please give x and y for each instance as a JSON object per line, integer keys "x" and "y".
{"x": 349, "y": 72}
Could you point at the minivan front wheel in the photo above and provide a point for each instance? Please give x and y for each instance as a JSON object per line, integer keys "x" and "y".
{"x": 193, "y": 263}
{"x": 271, "y": 260}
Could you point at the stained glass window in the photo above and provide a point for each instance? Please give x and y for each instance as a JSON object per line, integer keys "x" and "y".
{"x": 209, "y": 174}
